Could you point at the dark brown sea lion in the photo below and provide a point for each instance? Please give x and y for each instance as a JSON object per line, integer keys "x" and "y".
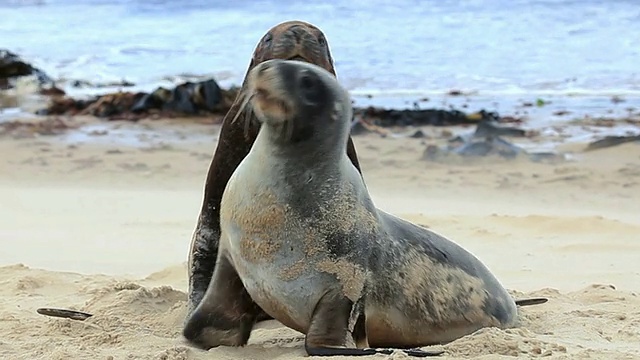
{"x": 289, "y": 40}
{"x": 302, "y": 240}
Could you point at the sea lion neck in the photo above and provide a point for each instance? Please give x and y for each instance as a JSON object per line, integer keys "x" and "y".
{"x": 313, "y": 150}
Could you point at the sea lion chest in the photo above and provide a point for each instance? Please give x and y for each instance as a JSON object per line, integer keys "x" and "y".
{"x": 274, "y": 250}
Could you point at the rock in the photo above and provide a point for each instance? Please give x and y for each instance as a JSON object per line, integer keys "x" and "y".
{"x": 189, "y": 98}
{"x": 155, "y": 100}
{"x": 489, "y": 128}
{"x": 486, "y": 141}
{"x": 51, "y": 91}
{"x": 483, "y": 147}
{"x": 88, "y": 84}
{"x": 81, "y": 84}
{"x": 561, "y": 112}
{"x": 12, "y": 67}
{"x": 418, "y": 134}
{"x": 617, "y": 99}
{"x": 491, "y": 145}
{"x": 112, "y": 104}
{"x": 434, "y": 117}
{"x": 64, "y": 106}
{"x": 180, "y": 100}
{"x": 610, "y": 141}
{"x": 207, "y": 95}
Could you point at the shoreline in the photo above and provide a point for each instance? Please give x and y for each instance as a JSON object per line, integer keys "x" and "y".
{"x": 541, "y": 108}
{"x": 569, "y": 138}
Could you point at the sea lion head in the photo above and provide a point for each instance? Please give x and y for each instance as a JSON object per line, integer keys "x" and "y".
{"x": 294, "y": 40}
{"x": 289, "y": 40}
{"x": 299, "y": 101}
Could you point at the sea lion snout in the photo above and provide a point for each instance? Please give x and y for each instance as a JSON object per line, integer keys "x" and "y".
{"x": 288, "y": 86}
{"x": 300, "y": 35}
{"x": 294, "y": 40}
{"x": 299, "y": 99}
{"x": 269, "y": 98}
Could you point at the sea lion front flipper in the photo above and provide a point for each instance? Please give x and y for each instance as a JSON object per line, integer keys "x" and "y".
{"x": 338, "y": 323}
{"x": 226, "y": 315}
{"x": 331, "y": 351}
{"x": 531, "y": 301}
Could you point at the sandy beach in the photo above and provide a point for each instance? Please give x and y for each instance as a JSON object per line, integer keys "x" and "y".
{"x": 103, "y": 226}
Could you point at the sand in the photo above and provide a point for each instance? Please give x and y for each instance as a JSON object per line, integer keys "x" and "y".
{"x": 90, "y": 224}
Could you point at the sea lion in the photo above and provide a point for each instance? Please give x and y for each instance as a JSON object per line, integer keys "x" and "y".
{"x": 288, "y": 40}
{"x": 302, "y": 240}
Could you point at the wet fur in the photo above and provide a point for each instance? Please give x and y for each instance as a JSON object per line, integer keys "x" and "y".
{"x": 313, "y": 251}
{"x": 286, "y": 40}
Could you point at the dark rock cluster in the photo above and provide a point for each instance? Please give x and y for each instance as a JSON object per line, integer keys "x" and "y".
{"x": 13, "y": 67}
{"x": 187, "y": 99}
{"x": 434, "y": 117}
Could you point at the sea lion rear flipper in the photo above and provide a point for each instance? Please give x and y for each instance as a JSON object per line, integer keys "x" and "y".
{"x": 331, "y": 351}
{"x": 226, "y": 315}
{"x": 531, "y": 301}
{"x": 335, "y": 319}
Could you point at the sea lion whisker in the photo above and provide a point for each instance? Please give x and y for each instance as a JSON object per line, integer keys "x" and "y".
{"x": 244, "y": 99}
{"x": 248, "y": 118}
{"x": 246, "y": 111}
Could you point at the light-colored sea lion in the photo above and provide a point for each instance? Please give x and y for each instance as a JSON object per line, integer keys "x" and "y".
{"x": 289, "y": 40}
{"x": 302, "y": 240}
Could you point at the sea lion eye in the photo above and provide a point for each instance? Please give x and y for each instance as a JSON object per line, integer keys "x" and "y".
{"x": 309, "y": 90}
{"x": 267, "y": 39}
{"x": 306, "y": 83}
{"x": 321, "y": 40}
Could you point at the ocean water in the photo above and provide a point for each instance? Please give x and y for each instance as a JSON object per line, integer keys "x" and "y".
{"x": 406, "y": 47}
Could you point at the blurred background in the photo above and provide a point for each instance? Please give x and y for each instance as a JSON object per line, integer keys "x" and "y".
{"x": 499, "y": 49}
{"x": 512, "y": 127}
